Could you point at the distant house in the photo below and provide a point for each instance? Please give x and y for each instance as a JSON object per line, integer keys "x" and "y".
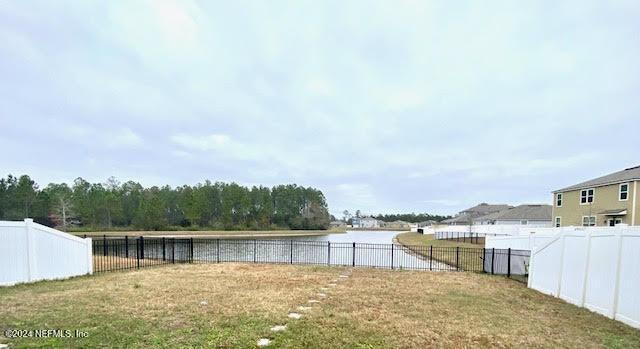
{"x": 532, "y": 215}
{"x": 397, "y": 225}
{"x": 365, "y": 222}
{"x": 466, "y": 217}
{"x": 337, "y": 224}
{"x": 426, "y": 223}
{"x": 603, "y": 201}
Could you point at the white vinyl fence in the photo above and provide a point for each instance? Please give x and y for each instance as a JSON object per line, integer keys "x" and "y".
{"x": 31, "y": 252}
{"x": 596, "y": 268}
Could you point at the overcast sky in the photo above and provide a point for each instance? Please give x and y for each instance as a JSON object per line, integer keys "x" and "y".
{"x": 388, "y": 106}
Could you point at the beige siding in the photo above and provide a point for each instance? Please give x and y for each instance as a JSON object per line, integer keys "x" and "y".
{"x": 605, "y": 198}
{"x": 636, "y": 191}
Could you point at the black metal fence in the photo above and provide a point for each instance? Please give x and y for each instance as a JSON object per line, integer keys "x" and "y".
{"x": 468, "y": 237}
{"x": 127, "y": 253}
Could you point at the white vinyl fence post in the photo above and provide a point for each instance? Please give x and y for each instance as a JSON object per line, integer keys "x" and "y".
{"x": 31, "y": 250}
{"x": 561, "y": 262}
{"x": 616, "y": 289}
{"x": 89, "y": 243}
{"x": 585, "y": 280}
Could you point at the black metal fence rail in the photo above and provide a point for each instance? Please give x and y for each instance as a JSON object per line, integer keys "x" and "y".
{"x": 469, "y": 237}
{"x": 128, "y": 253}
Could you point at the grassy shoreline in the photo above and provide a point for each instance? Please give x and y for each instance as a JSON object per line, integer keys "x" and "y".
{"x": 222, "y": 234}
{"x": 412, "y": 240}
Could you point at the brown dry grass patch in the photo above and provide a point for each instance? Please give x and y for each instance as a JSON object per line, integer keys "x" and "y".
{"x": 376, "y": 308}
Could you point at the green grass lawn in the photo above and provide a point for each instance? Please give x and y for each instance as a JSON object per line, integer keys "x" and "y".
{"x": 417, "y": 239}
{"x": 163, "y": 307}
{"x": 469, "y": 257}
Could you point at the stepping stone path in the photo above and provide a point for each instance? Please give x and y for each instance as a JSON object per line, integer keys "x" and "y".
{"x": 295, "y": 316}
{"x": 278, "y": 328}
{"x": 4, "y": 346}
{"x": 263, "y": 342}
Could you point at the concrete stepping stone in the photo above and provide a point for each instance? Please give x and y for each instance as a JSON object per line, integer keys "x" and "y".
{"x": 303, "y": 308}
{"x": 322, "y": 295}
{"x": 263, "y": 342}
{"x": 278, "y": 328}
{"x": 344, "y": 276}
{"x": 295, "y": 316}
{"x": 313, "y": 301}
{"x": 4, "y": 346}
{"x": 332, "y": 285}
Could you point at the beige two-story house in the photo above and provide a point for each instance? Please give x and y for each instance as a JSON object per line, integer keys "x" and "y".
{"x": 603, "y": 201}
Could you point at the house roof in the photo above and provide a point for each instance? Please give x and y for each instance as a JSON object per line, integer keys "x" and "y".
{"x": 485, "y": 208}
{"x": 537, "y": 212}
{"x": 631, "y": 173}
{"x": 457, "y": 219}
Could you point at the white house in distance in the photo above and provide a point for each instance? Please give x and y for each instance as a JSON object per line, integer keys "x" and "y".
{"x": 365, "y": 222}
{"x": 536, "y": 215}
{"x": 483, "y": 209}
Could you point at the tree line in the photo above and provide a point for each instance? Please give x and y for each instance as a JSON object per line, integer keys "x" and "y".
{"x": 115, "y": 205}
{"x": 407, "y": 217}
{"x": 411, "y": 217}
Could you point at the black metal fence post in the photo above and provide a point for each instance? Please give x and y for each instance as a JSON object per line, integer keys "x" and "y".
{"x": 255, "y": 246}
{"x": 457, "y": 257}
{"x": 164, "y": 249}
{"x": 353, "y": 263}
{"x": 391, "y": 256}
{"x": 138, "y": 253}
{"x": 291, "y": 248}
{"x": 173, "y": 250}
{"x": 104, "y": 244}
{"x": 493, "y": 258}
{"x": 484, "y": 258}
{"x": 218, "y": 250}
{"x": 142, "y": 247}
{"x": 509, "y": 262}
{"x": 431, "y": 257}
{"x": 328, "y": 252}
{"x": 191, "y": 250}
{"x": 126, "y": 246}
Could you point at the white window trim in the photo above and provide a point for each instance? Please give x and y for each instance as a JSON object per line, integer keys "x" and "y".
{"x": 595, "y": 221}
{"x": 559, "y": 197}
{"x": 557, "y": 222}
{"x": 620, "y": 191}
{"x": 593, "y": 197}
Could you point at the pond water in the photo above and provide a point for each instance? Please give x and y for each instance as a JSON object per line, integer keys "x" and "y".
{"x": 361, "y": 236}
{"x": 354, "y": 248}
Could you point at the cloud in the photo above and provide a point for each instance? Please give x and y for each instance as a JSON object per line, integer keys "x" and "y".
{"x": 124, "y": 138}
{"x": 202, "y": 143}
{"x": 419, "y": 106}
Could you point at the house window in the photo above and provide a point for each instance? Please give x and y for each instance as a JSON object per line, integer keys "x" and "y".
{"x": 558, "y": 222}
{"x": 588, "y": 221}
{"x": 586, "y": 196}
{"x": 559, "y": 200}
{"x": 624, "y": 192}
{"x": 523, "y": 222}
